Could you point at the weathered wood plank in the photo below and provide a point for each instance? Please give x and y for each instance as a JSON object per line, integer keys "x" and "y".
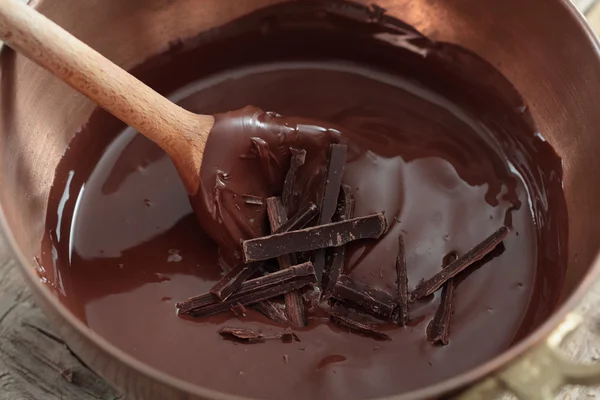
{"x": 34, "y": 362}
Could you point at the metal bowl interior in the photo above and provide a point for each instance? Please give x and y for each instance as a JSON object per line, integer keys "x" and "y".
{"x": 543, "y": 47}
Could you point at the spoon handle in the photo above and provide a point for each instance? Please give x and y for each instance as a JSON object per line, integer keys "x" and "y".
{"x": 179, "y": 132}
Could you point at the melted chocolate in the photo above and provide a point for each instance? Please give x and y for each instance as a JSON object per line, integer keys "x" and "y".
{"x": 439, "y": 142}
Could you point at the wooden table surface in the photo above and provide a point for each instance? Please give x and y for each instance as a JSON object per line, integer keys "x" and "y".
{"x": 35, "y": 364}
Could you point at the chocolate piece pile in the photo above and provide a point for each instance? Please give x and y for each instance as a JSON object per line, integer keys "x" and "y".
{"x": 310, "y": 250}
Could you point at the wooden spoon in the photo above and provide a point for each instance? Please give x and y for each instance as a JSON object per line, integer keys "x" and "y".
{"x": 180, "y": 133}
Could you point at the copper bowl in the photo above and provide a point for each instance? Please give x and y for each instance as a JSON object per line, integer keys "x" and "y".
{"x": 544, "y": 47}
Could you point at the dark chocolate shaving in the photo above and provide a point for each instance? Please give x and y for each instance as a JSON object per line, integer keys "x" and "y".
{"x": 238, "y": 310}
{"x": 233, "y": 279}
{"x": 296, "y": 161}
{"x": 272, "y": 310}
{"x": 345, "y": 207}
{"x": 402, "y": 283}
{"x": 294, "y": 306}
{"x": 248, "y": 335}
{"x": 252, "y": 291}
{"x": 333, "y": 182}
{"x": 253, "y": 200}
{"x": 244, "y": 334}
{"x": 334, "y": 269}
{"x": 317, "y": 237}
{"x": 329, "y": 199}
{"x": 353, "y": 325}
{"x": 439, "y": 327}
{"x": 363, "y": 297}
{"x": 337, "y": 256}
{"x": 431, "y": 285}
{"x": 300, "y": 219}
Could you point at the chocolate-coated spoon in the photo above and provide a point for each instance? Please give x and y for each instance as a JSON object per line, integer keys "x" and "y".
{"x": 180, "y": 133}
{"x": 248, "y": 150}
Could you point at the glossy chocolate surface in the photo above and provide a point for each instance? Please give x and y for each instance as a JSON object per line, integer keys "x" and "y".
{"x": 439, "y": 141}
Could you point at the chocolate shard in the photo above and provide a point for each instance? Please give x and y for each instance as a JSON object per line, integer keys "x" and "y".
{"x": 337, "y": 256}
{"x": 296, "y": 161}
{"x": 334, "y": 269}
{"x": 233, "y": 279}
{"x": 252, "y": 291}
{"x": 244, "y": 334}
{"x": 353, "y": 325}
{"x": 272, "y": 310}
{"x": 238, "y": 310}
{"x": 248, "y": 335}
{"x": 294, "y": 306}
{"x": 253, "y": 200}
{"x": 329, "y": 198}
{"x": 312, "y": 238}
{"x": 345, "y": 207}
{"x": 289, "y": 335}
{"x": 333, "y": 182}
{"x": 402, "y": 283}
{"x": 431, "y": 285}
{"x": 363, "y": 297}
{"x": 300, "y": 219}
{"x": 439, "y": 327}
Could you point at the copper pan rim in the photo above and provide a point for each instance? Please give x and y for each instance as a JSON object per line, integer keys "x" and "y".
{"x": 446, "y": 387}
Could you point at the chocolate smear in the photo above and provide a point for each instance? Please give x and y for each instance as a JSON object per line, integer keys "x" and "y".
{"x": 312, "y": 238}
{"x": 363, "y": 297}
{"x": 252, "y": 291}
{"x": 431, "y": 285}
{"x": 337, "y": 256}
{"x": 233, "y": 279}
{"x": 296, "y": 161}
{"x": 439, "y": 327}
{"x": 294, "y": 306}
{"x": 247, "y": 335}
{"x": 329, "y": 199}
{"x": 402, "y": 283}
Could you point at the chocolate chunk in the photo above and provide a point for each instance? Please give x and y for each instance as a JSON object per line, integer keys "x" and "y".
{"x": 293, "y": 303}
{"x": 353, "y": 325}
{"x": 296, "y": 161}
{"x": 317, "y": 237}
{"x": 477, "y": 253}
{"x": 300, "y": 219}
{"x": 248, "y": 335}
{"x": 312, "y": 297}
{"x": 337, "y": 256}
{"x": 233, "y": 279}
{"x": 402, "y": 283}
{"x": 439, "y": 328}
{"x": 252, "y": 291}
{"x": 329, "y": 199}
{"x": 363, "y": 297}
{"x": 253, "y": 200}
{"x": 272, "y": 310}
